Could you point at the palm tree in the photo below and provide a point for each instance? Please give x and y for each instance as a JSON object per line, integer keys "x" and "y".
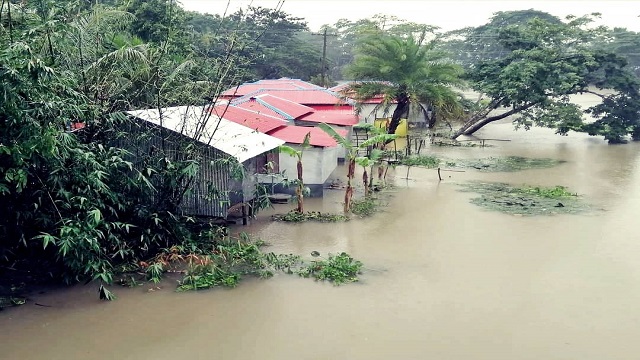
{"x": 407, "y": 73}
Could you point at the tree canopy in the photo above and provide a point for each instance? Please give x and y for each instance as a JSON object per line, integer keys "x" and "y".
{"x": 545, "y": 63}
{"x": 407, "y": 74}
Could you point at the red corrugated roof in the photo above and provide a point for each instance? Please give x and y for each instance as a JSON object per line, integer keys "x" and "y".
{"x": 285, "y": 109}
{"x": 297, "y": 82}
{"x": 282, "y": 84}
{"x": 253, "y": 105}
{"x": 293, "y": 109}
{"x": 296, "y": 134}
{"x": 333, "y": 117}
{"x": 260, "y": 122}
{"x": 303, "y": 96}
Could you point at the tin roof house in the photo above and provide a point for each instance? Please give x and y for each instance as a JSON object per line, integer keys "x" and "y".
{"x": 226, "y": 154}
{"x": 320, "y": 159}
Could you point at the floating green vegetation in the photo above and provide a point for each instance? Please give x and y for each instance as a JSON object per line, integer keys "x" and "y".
{"x": 339, "y": 269}
{"x": 8, "y": 301}
{"x": 505, "y": 164}
{"x": 454, "y": 143}
{"x": 365, "y": 207}
{"x": 421, "y": 160}
{"x": 235, "y": 259}
{"x": 295, "y": 216}
{"x": 526, "y": 200}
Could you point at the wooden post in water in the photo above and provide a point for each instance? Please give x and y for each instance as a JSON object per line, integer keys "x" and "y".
{"x": 244, "y": 214}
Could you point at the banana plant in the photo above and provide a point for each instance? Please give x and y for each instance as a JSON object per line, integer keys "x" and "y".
{"x": 367, "y": 163}
{"x": 299, "y": 182}
{"x": 352, "y": 155}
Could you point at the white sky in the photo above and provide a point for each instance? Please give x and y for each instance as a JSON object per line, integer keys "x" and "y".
{"x": 448, "y": 15}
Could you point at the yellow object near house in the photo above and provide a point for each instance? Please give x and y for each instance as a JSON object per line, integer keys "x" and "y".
{"x": 401, "y": 131}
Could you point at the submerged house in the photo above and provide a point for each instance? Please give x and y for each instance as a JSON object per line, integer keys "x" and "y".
{"x": 300, "y": 115}
{"x": 227, "y": 155}
{"x": 275, "y": 84}
{"x": 273, "y": 167}
{"x": 319, "y": 159}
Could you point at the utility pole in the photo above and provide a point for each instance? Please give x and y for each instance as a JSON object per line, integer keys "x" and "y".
{"x": 323, "y": 71}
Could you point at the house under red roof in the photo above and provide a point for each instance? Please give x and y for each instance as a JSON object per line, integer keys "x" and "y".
{"x": 296, "y": 82}
{"x": 253, "y": 105}
{"x": 268, "y": 103}
{"x": 296, "y": 134}
{"x": 281, "y": 84}
{"x": 314, "y": 98}
{"x": 289, "y": 110}
{"x": 333, "y": 117}
{"x": 261, "y": 122}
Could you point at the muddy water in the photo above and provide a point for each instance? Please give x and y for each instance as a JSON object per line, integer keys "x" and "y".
{"x": 444, "y": 280}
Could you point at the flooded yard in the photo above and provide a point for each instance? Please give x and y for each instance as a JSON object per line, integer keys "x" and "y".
{"x": 443, "y": 278}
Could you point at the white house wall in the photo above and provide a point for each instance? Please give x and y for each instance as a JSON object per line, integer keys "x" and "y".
{"x": 318, "y": 164}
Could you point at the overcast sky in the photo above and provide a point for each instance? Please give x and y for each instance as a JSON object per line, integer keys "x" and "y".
{"x": 448, "y": 15}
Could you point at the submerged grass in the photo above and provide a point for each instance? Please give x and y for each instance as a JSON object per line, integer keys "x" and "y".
{"x": 421, "y": 160}
{"x": 525, "y": 200}
{"x": 364, "y": 207}
{"x": 504, "y": 164}
{"x": 294, "y": 216}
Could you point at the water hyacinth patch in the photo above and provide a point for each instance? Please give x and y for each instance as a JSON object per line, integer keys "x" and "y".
{"x": 525, "y": 200}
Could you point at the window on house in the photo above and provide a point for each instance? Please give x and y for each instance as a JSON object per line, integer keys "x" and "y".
{"x": 268, "y": 163}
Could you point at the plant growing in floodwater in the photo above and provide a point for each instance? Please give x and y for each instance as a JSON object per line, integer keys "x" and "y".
{"x": 428, "y": 162}
{"x": 294, "y": 216}
{"x": 299, "y": 181}
{"x": 364, "y": 207}
{"x": 339, "y": 269}
{"x": 232, "y": 260}
{"x": 352, "y": 155}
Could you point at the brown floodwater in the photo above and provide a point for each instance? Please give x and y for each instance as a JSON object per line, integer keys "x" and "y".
{"x": 444, "y": 278}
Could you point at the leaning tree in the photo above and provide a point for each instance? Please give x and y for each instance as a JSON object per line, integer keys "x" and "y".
{"x": 545, "y": 63}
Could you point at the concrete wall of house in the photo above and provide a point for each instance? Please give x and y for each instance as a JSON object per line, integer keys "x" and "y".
{"x": 341, "y": 150}
{"x": 318, "y": 163}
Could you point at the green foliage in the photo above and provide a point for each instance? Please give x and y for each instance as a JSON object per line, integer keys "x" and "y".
{"x": 295, "y": 216}
{"x": 410, "y": 75}
{"x": 78, "y": 207}
{"x": 234, "y": 259}
{"x": 105, "y": 294}
{"x": 471, "y": 45}
{"x": 556, "y": 192}
{"x": 545, "y": 62}
{"x": 364, "y": 207}
{"x": 338, "y": 269}
{"x": 428, "y": 162}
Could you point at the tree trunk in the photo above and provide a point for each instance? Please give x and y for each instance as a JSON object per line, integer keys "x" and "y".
{"x": 348, "y": 194}
{"x": 300, "y": 189}
{"x": 479, "y": 120}
{"x": 402, "y": 109}
{"x": 365, "y": 182}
